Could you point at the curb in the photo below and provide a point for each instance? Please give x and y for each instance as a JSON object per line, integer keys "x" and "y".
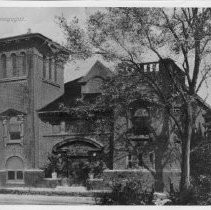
{"x": 91, "y": 193}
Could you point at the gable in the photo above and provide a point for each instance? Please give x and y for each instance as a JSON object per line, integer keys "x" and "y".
{"x": 11, "y": 112}
{"x": 97, "y": 70}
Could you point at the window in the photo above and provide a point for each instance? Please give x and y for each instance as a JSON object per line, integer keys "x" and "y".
{"x": 14, "y": 166}
{"x": 59, "y": 128}
{"x": 63, "y": 127}
{"x": 44, "y": 67}
{"x": 19, "y": 175}
{"x": 135, "y": 161}
{"x": 11, "y": 175}
{"x": 4, "y": 65}
{"x": 14, "y": 65}
{"x": 15, "y": 128}
{"x": 140, "y": 119}
{"x": 23, "y": 62}
{"x": 56, "y": 128}
{"x": 50, "y": 69}
{"x": 55, "y": 72}
{"x": 132, "y": 161}
{"x": 15, "y": 175}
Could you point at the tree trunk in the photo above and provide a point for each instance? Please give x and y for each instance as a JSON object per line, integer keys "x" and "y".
{"x": 111, "y": 145}
{"x": 185, "y": 176}
{"x": 159, "y": 183}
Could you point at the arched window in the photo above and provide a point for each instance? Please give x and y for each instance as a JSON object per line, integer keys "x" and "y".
{"x": 44, "y": 67}
{"x": 14, "y": 65}
{"x": 4, "y": 65}
{"x": 55, "y": 71}
{"x": 14, "y": 166}
{"x": 140, "y": 125}
{"x": 23, "y": 62}
{"x": 50, "y": 69}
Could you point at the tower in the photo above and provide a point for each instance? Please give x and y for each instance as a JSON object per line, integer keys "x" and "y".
{"x": 31, "y": 76}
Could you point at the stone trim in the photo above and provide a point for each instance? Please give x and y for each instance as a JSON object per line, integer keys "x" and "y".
{"x": 76, "y": 134}
{"x": 51, "y": 83}
{"x": 13, "y": 79}
{"x": 140, "y": 170}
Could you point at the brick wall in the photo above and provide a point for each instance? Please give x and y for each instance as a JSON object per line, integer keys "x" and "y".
{"x": 26, "y": 93}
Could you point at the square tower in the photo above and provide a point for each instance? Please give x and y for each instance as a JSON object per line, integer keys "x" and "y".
{"x": 31, "y": 76}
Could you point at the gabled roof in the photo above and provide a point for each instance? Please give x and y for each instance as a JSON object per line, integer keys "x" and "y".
{"x": 97, "y": 70}
{"x": 72, "y": 89}
{"x": 11, "y": 112}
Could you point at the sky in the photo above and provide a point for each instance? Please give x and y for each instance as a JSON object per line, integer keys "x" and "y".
{"x": 17, "y": 20}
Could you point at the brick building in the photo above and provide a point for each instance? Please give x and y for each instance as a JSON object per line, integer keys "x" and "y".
{"x": 35, "y": 123}
{"x": 31, "y": 76}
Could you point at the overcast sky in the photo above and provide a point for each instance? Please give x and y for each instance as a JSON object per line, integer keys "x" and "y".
{"x": 42, "y": 20}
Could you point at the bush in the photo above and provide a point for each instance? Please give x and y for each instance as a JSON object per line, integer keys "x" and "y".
{"x": 127, "y": 192}
{"x": 198, "y": 194}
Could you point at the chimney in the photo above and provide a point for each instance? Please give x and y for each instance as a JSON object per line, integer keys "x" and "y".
{"x": 29, "y": 31}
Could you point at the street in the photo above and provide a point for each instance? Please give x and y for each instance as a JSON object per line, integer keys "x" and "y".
{"x": 13, "y": 199}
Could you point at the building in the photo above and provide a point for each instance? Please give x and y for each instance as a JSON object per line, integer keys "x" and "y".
{"x": 39, "y": 116}
{"x": 32, "y": 69}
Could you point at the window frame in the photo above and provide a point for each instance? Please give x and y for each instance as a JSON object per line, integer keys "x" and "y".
{"x": 55, "y": 71}
{"x": 4, "y": 66}
{"x": 15, "y": 180}
{"x": 23, "y": 63}
{"x": 6, "y": 129}
{"x": 18, "y": 123}
{"x": 44, "y": 73}
{"x": 140, "y": 121}
{"x": 15, "y": 72}
{"x": 50, "y": 69}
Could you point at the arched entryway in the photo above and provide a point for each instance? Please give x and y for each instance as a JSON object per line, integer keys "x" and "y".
{"x": 75, "y": 157}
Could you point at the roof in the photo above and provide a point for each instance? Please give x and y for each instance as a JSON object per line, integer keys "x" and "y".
{"x": 11, "y": 112}
{"x": 71, "y": 92}
{"x": 27, "y": 36}
{"x": 97, "y": 70}
{"x": 206, "y": 105}
{"x": 72, "y": 89}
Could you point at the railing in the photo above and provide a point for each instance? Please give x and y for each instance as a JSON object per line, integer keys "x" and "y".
{"x": 150, "y": 67}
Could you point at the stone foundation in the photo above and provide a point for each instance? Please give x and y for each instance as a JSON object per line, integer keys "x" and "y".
{"x": 3, "y": 177}
{"x": 49, "y": 183}
{"x": 33, "y": 177}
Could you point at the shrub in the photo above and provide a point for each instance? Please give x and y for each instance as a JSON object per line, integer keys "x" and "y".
{"x": 198, "y": 194}
{"x": 127, "y": 192}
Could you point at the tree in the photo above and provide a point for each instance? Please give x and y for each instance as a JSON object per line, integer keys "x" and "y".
{"x": 126, "y": 34}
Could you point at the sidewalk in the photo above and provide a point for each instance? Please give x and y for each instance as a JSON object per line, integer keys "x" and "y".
{"x": 63, "y": 191}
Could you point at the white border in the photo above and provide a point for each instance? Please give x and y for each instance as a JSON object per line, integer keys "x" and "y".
{"x": 109, "y": 3}
{"x": 103, "y": 3}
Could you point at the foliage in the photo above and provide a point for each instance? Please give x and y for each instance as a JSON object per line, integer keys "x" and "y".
{"x": 65, "y": 167}
{"x": 56, "y": 163}
{"x": 201, "y": 161}
{"x": 125, "y": 34}
{"x": 127, "y": 192}
{"x": 197, "y": 194}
